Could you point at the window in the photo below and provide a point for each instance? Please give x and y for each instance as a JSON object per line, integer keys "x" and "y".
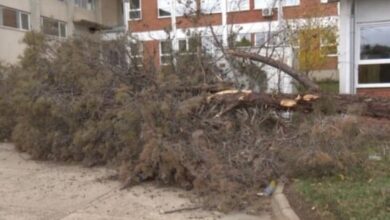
{"x": 237, "y": 5}
{"x": 374, "y": 57}
{"x": 329, "y": 43}
{"x": 260, "y": 4}
{"x": 188, "y": 46}
{"x": 240, "y": 40}
{"x": 211, "y": 6}
{"x": 164, "y": 8}
{"x": 86, "y": 4}
{"x": 291, "y": 2}
{"x": 210, "y": 45}
{"x": 137, "y": 54}
{"x": 14, "y": 18}
{"x": 53, "y": 27}
{"x": 267, "y": 39}
{"x": 183, "y": 7}
{"x": 166, "y": 52}
{"x": 135, "y": 9}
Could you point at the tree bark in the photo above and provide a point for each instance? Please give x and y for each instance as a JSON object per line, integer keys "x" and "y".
{"x": 340, "y": 104}
{"x": 301, "y": 78}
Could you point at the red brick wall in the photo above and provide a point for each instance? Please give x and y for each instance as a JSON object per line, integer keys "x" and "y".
{"x": 150, "y": 20}
{"x": 384, "y": 92}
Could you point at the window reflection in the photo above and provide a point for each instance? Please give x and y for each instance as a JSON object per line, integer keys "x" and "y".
{"x": 375, "y": 42}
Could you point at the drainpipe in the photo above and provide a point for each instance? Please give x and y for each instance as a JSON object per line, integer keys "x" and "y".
{"x": 225, "y": 31}
{"x": 354, "y": 68}
{"x": 280, "y": 13}
{"x": 175, "y": 44}
{"x": 126, "y": 14}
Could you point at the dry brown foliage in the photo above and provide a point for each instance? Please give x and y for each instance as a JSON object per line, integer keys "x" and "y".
{"x": 73, "y": 105}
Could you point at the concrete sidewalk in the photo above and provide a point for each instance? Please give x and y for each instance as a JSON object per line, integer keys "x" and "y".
{"x": 31, "y": 190}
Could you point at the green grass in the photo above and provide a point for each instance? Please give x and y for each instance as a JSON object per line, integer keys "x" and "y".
{"x": 329, "y": 86}
{"x": 357, "y": 198}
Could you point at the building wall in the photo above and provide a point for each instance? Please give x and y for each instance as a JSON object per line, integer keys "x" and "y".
{"x": 78, "y": 20}
{"x": 11, "y": 46}
{"x": 382, "y": 92}
{"x": 365, "y": 12}
{"x": 151, "y": 27}
{"x": 112, "y": 13}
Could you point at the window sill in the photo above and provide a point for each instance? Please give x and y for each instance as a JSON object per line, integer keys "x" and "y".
{"x": 13, "y": 29}
{"x": 373, "y": 86}
{"x": 135, "y": 19}
{"x": 287, "y": 6}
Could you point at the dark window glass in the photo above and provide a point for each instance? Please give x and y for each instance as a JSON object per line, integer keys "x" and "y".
{"x": 62, "y": 29}
{"x": 135, "y": 4}
{"x": 50, "y": 27}
{"x": 182, "y": 46}
{"x": 135, "y": 14}
{"x": 24, "y": 20}
{"x": 164, "y": 13}
{"x": 377, "y": 73}
{"x": 375, "y": 42}
{"x": 10, "y": 18}
{"x": 166, "y": 47}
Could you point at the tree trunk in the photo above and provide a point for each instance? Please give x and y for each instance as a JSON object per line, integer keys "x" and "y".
{"x": 340, "y": 104}
{"x": 301, "y": 78}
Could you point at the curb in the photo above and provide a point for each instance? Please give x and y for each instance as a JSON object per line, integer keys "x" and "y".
{"x": 281, "y": 209}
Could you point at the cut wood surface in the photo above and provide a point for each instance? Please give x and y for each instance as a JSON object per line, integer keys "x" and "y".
{"x": 352, "y": 104}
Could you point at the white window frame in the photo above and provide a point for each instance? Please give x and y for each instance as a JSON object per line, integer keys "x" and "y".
{"x": 276, "y": 4}
{"x": 18, "y": 17}
{"x": 239, "y": 37}
{"x": 170, "y": 9}
{"x": 59, "y": 22}
{"x": 216, "y": 10}
{"x": 188, "y": 49}
{"x": 164, "y": 55}
{"x": 269, "y": 42}
{"x": 230, "y": 2}
{"x": 158, "y": 10}
{"x": 141, "y": 55}
{"x": 136, "y": 10}
{"x": 328, "y": 44}
{"x": 367, "y": 62}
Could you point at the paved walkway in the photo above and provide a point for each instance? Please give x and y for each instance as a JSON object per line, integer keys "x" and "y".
{"x": 31, "y": 190}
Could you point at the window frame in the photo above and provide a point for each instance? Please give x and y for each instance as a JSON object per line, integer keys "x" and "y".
{"x": 140, "y": 55}
{"x": 165, "y": 54}
{"x": 135, "y": 10}
{"x": 158, "y": 10}
{"x": 170, "y": 10}
{"x": 19, "y": 23}
{"x": 257, "y": 7}
{"x": 272, "y": 39}
{"x": 219, "y": 11}
{"x": 79, "y": 4}
{"x": 359, "y": 61}
{"x": 239, "y": 9}
{"x": 328, "y": 44}
{"x": 59, "y": 22}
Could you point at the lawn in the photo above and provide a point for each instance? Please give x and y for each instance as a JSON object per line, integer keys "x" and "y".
{"x": 360, "y": 197}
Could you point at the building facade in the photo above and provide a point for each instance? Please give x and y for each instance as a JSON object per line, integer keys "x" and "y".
{"x": 154, "y": 22}
{"x": 365, "y": 47}
{"x": 57, "y": 18}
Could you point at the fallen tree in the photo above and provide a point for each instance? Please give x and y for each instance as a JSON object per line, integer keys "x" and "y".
{"x": 180, "y": 127}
